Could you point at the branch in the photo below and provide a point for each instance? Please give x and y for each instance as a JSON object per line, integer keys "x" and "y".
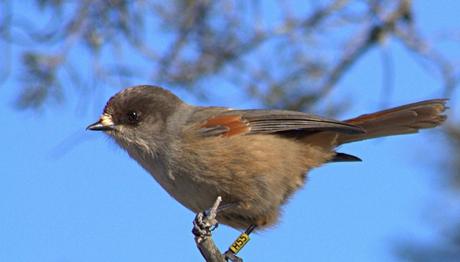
{"x": 204, "y": 223}
{"x": 373, "y": 36}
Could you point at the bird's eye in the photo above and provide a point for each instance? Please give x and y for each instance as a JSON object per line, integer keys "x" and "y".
{"x": 133, "y": 117}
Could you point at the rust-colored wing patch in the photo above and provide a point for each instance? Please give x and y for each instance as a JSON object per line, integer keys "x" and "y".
{"x": 226, "y": 125}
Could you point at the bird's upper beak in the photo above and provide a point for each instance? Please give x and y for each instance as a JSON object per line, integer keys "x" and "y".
{"x": 105, "y": 123}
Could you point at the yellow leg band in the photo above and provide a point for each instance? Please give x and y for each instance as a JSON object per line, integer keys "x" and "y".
{"x": 239, "y": 243}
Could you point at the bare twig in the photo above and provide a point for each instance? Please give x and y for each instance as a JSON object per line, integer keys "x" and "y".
{"x": 373, "y": 36}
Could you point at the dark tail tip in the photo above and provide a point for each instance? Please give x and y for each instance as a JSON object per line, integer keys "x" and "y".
{"x": 342, "y": 157}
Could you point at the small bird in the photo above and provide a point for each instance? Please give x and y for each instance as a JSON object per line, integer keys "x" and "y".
{"x": 254, "y": 159}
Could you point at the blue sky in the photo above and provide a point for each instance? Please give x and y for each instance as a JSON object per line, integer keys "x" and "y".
{"x": 71, "y": 195}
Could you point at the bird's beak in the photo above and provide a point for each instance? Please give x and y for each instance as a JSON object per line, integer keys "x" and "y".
{"x": 105, "y": 123}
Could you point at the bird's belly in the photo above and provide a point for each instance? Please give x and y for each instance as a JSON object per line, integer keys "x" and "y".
{"x": 256, "y": 175}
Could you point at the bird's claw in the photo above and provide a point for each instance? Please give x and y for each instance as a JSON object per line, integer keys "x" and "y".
{"x": 203, "y": 225}
{"x": 205, "y": 222}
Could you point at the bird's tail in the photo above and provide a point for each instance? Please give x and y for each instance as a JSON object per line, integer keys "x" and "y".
{"x": 404, "y": 119}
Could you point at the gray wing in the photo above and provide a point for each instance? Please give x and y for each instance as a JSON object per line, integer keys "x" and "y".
{"x": 233, "y": 122}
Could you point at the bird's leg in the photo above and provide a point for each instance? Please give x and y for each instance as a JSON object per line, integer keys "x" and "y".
{"x": 238, "y": 244}
{"x": 203, "y": 224}
{"x": 206, "y": 221}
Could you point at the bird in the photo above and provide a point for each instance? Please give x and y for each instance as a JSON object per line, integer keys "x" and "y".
{"x": 254, "y": 159}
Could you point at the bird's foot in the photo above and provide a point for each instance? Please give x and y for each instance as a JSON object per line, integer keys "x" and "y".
{"x": 205, "y": 222}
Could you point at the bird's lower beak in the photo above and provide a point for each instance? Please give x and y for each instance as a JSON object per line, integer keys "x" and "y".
{"x": 105, "y": 123}
{"x": 99, "y": 127}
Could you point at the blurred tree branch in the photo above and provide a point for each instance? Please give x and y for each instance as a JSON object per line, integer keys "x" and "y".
{"x": 182, "y": 43}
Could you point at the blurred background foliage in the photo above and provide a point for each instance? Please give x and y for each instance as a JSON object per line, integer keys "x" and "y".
{"x": 290, "y": 59}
